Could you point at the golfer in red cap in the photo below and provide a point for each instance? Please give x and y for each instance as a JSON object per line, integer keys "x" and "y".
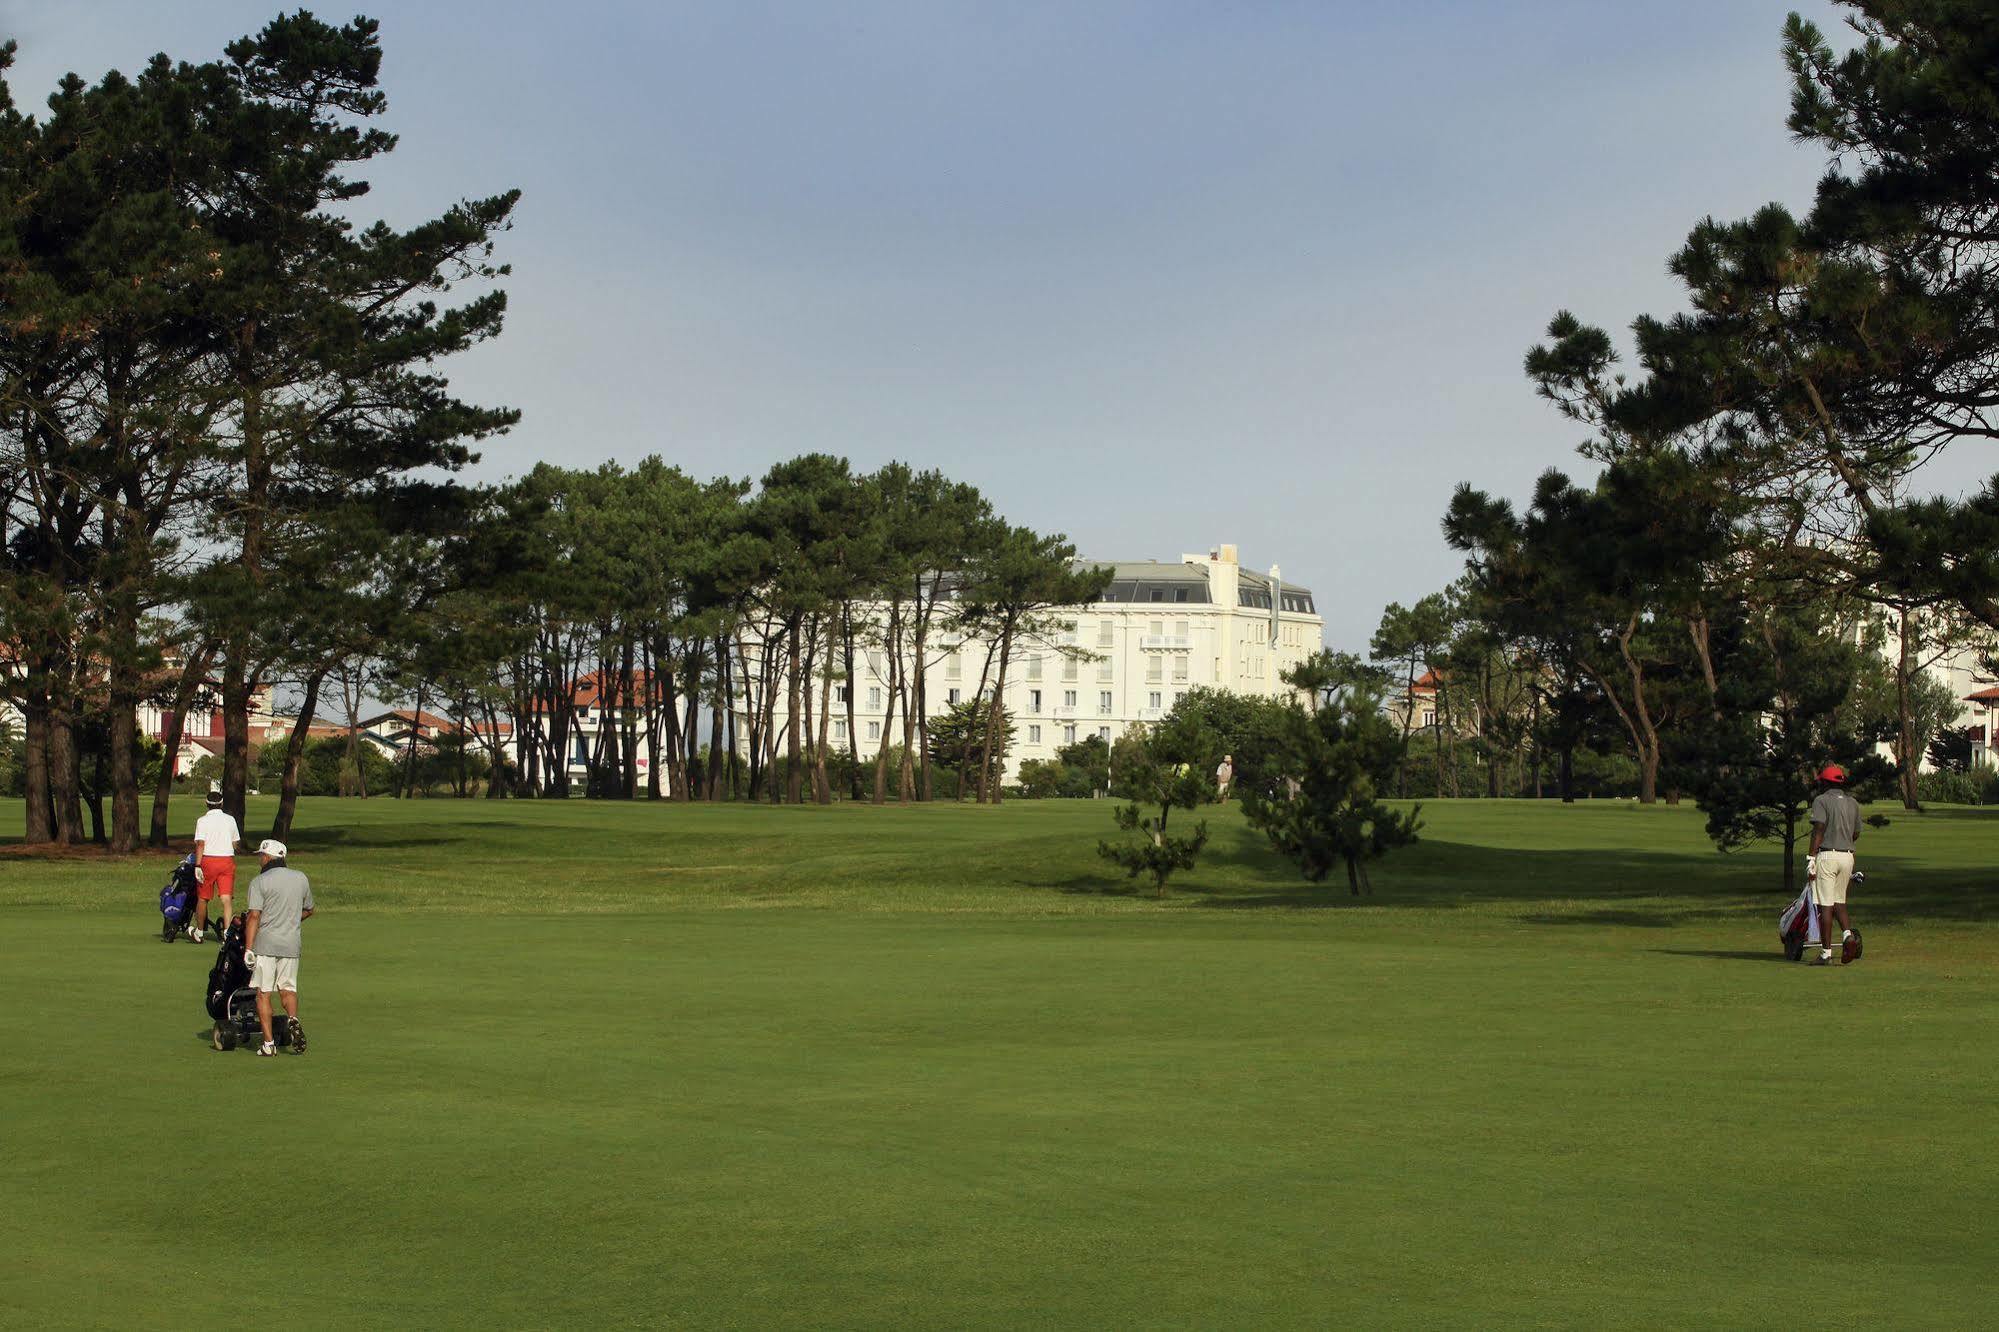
{"x": 1835, "y": 828}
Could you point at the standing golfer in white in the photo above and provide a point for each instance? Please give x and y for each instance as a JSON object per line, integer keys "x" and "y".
{"x": 280, "y": 903}
{"x": 215, "y": 838}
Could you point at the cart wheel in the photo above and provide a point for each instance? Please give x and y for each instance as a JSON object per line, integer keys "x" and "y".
{"x": 167, "y": 932}
{"x": 225, "y": 1036}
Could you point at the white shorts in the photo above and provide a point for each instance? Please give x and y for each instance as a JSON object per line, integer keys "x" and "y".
{"x": 274, "y": 973}
{"x": 1835, "y": 872}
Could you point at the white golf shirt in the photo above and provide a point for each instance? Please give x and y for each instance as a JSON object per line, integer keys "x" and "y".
{"x": 216, "y": 834}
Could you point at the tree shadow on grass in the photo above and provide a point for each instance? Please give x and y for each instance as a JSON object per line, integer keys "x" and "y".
{"x": 1647, "y": 920}
{"x": 1726, "y": 955}
{"x": 1306, "y": 897}
{"x": 1636, "y": 886}
{"x": 375, "y": 837}
{"x": 1085, "y": 885}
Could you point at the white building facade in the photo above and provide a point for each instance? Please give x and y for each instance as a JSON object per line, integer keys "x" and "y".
{"x": 1160, "y": 630}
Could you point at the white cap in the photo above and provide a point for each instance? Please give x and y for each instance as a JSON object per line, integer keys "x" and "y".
{"x": 271, "y": 847}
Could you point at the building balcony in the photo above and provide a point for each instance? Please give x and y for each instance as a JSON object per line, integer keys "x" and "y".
{"x": 1062, "y": 710}
{"x": 1151, "y": 714}
{"x": 1166, "y": 642}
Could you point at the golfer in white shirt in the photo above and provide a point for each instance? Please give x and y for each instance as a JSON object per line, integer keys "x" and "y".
{"x": 215, "y": 839}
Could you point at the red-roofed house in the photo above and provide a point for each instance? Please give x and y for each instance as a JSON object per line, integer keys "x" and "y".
{"x": 391, "y": 731}
{"x": 1416, "y": 710}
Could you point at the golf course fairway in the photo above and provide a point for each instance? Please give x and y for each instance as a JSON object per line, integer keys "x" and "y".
{"x": 577, "y": 1063}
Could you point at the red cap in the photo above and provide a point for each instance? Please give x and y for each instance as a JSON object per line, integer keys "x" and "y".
{"x": 1833, "y": 773}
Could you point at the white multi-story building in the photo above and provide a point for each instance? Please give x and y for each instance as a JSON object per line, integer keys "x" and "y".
{"x": 1160, "y": 630}
{"x": 1967, "y": 672}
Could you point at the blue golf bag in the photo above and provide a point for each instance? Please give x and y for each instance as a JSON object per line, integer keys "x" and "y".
{"x": 180, "y": 899}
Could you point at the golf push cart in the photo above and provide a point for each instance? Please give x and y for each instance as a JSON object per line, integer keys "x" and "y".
{"x": 1798, "y": 927}
{"x": 231, "y": 1001}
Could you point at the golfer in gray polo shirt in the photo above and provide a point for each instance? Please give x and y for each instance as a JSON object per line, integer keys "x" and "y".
{"x": 1835, "y": 830}
{"x": 280, "y": 903}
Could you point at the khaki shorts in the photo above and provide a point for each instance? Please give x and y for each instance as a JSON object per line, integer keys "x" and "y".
{"x": 281, "y": 973}
{"x": 1835, "y": 872}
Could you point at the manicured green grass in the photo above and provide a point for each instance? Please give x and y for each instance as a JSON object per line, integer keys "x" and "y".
{"x": 583, "y": 1064}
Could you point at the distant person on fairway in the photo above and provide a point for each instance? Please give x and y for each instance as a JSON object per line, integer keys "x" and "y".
{"x": 215, "y": 839}
{"x": 1224, "y": 774}
{"x": 280, "y": 903}
{"x": 1835, "y": 828}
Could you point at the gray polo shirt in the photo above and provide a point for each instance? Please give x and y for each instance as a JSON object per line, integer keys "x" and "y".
{"x": 282, "y": 897}
{"x": 1839, "y": 814}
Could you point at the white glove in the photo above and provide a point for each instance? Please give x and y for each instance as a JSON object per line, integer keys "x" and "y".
{"x": 1811, "y": 867}
{"x": 249, "y": 958}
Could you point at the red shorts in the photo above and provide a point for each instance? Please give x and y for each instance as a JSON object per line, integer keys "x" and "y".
{"x": 218, "y": 877}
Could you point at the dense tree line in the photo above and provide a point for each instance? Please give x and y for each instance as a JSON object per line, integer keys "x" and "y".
{"x": 222, "y": 426}
{"x": 758, "y": 612}
{"x": 226, "y": 463}
{"x": 1743, "y": 591}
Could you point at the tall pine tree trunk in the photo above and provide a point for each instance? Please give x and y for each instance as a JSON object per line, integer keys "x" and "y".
{"x": 281, "y": 826}
{"x": 1907, "y": 760}
{"x": 989, "y": 777}
{"x": 795, "y": 704}
{"x": 41, "y": 827}
{"x": 235, "y": 735}
{"x": 918, "y": 701}
{"x": 96, "y": 794}
{"x": 822, "y": 787}
{"x": 65, "y": 780}
{"x": 716, "y": 713}
{"x": 853, "y": 687}
{"x": 892, "y": 658}
{"x": 173, "y": 727}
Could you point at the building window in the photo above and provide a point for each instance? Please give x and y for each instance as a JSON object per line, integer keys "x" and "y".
{"x": 1153, "y": 699}
{"x": 1069, "y": 668}
{"x": 1068, "y": 735}
{"x": 1034, "y": 668}
{"x": 1180, "y": 628}
{"x": 951, "y": 697}
{"x": 1104, "y": 734}
{"x": 1104, "y": 703}
{"x": 954, "y": 667}
{"x": 1105, "y": 634}
{"x": 1157, "y": 628}
{"x": 1154, "y": 669}
{"x": 1068, "y": 698}
{"x": 874, "y": 661}
{"x": 1179, "y": 670}
{"x": 874, "y": 696}
{"x": 1429, "y": 717}
{"x": 1159, "y": 594}
{"x": 1179, "y": 594}
{"x": 1034, "y": 735}
{"x": 1034, "y": 700}
{"x": 874, "y": 730}
{"x": 1104, "y": 670}
{"x": 840, "y": 730}
{"x": 839, "y": 693}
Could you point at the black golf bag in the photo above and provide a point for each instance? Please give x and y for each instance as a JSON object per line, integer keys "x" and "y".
{"x": 180, "y": 899}
{"x": 231, "y": 1001}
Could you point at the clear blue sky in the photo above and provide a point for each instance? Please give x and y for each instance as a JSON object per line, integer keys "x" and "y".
{"x": 1155, "y": 273}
